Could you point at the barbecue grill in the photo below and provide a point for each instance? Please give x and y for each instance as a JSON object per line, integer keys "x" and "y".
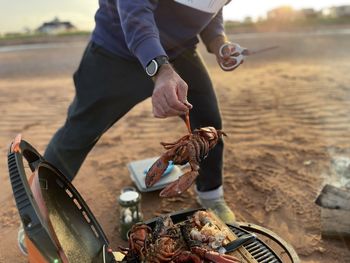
{"x": 60, "y": 227}
{"x": 267, "y": 248}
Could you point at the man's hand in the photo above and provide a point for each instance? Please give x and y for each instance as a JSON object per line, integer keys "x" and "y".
{"x": 225, "y": 60}
{"x": 170, "y": 94}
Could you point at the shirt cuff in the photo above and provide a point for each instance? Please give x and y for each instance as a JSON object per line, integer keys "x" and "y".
{"x": 209, "y": 36}
{"x": 149, "y": 49}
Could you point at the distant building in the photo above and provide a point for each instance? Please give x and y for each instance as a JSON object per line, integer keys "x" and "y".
{"x": 56, "y": 26}
{"x": 337, "y": 11}
{"x": 282, "y": 13}
{"x": 343, "y": 11}
{"x": 308, "y": 13}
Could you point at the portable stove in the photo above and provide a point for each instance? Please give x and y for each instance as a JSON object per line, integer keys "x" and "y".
{"x": 59, "y": 226}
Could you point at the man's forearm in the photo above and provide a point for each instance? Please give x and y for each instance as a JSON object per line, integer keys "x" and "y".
{"x": 216, "y": 43}
{"x": 214, "y": 33}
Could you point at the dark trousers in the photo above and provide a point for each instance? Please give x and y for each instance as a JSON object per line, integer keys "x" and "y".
{"x": 107, "y": 87}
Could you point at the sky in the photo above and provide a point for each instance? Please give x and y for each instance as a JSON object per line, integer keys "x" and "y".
{"x": 16, "y": 15}
{"x": 239, "y": 9}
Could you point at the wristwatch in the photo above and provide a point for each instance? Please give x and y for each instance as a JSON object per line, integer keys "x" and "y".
{"x": 154, "y": 65}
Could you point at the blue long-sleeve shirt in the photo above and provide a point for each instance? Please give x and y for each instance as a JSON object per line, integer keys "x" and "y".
{"x": 145, "y": 29}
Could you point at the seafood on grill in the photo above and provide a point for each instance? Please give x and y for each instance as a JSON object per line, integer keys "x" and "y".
{"x": 205, "y": 231}
{"x": 169, "y": 242}
{"x": 138, "y": 243}
{"x": 160, "y": 245}
{"x": 166, "y": 242}
{"x": 191, "y": 148}
{"x": 210, "y": 238}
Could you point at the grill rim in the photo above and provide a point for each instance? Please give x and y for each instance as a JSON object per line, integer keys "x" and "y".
{"x": 266, "y": 232}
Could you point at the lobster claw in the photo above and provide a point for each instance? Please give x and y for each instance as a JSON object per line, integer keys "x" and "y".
{"x": 180, "y": 185}
{"x": 157, "y": 169}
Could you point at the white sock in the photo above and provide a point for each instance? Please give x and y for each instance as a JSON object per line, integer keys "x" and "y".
{"x": 212, "y": 194}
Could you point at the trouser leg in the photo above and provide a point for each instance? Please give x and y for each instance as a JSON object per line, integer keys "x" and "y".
{"x": 107, "y": 87}
{"x": 205, "y": 112}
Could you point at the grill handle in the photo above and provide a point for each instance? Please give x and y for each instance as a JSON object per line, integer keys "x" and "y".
{"x": 27, "y": 207}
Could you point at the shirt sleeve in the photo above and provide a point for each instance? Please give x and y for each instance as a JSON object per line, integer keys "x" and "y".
{"x": 140, "y": 29}
{"x": 214, "y": 29}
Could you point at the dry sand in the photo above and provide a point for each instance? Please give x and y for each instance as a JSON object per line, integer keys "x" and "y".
{"x": 287, "y": 114}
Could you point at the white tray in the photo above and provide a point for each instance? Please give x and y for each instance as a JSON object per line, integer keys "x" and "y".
{"x": 137, "y": 173}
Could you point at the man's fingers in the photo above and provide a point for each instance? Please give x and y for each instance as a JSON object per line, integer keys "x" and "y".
{"x": 187, "y": 104}
{"x": 173, "y": 103}
{"x": 162, "y": 108}
{"x": 170, "y": 94}
{"x": 228, "y": 51}
{"x": 181, "y": 94}
{"x": 159, "y": 112}
{"x": 229, "y": 65}
{"x": 169, "y": 111}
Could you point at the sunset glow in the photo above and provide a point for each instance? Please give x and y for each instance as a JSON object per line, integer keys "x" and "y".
{"x": 31, "y": 14}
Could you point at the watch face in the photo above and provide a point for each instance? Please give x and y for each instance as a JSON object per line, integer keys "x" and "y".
{"x": 152, "y": 68}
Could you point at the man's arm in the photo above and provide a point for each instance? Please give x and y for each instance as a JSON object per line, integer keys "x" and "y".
{"x": 140, "y": 29}
{"x": 142, "y": 37}
{"x": 213, "y": 35}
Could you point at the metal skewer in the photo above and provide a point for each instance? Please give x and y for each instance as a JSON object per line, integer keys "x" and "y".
{"x": 247, "y": 52}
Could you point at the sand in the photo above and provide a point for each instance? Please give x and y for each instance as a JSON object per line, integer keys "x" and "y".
{"x": 286, "y": 113}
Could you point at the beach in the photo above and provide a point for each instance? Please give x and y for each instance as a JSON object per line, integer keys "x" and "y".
{"x": 286, "y": 113}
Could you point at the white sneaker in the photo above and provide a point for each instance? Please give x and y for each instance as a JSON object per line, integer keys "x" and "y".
{"x": 220, "y": 208}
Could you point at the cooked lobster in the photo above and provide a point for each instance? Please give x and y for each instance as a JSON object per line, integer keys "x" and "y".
{"x": 191, "y": 148}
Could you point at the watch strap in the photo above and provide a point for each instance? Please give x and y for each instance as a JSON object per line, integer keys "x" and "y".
{"x": 161, "y": 60}
{"x": 154, "y": 65}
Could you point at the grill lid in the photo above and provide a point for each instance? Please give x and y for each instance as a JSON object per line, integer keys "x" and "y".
{"x": 50, "y": 207}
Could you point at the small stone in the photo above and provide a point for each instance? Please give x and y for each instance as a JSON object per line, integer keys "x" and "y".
{"x": 308, "y": 162}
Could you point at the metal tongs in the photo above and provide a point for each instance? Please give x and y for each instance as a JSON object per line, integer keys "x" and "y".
{"x": 237, "y": 243}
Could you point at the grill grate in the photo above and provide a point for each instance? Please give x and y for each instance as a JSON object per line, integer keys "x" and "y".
{"x": 260, "y": 252}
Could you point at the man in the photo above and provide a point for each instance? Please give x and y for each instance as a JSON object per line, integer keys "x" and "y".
{"x": 144, "y": 48}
